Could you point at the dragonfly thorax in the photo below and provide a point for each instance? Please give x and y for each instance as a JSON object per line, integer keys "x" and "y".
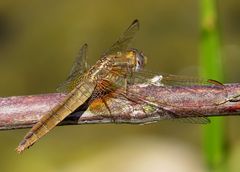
{"x": 101, "y": 69}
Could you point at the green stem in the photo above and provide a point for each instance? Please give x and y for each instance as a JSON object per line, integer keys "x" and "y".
{"x": 211, "y": 67}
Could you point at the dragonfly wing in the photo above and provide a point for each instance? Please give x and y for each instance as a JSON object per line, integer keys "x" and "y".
{"x": 80, "y": 64}
{"x": 123, "y": 42}
{"x": 118, "y": 100}
{"x": 165, "y": 114}
{"x": 193, "y": 120}
{"x": 110, "y": 105}
{"x": 122, "y": 103}
{"x": 79, "y": 67}
{"x": 164, "y": 79}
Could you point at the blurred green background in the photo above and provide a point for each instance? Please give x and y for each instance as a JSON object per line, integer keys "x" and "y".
{"x": 38, "y": 43}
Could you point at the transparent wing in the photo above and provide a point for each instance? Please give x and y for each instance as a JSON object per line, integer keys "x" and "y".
{"x": 113, "y": 98}
{"x": 80, "y": 64}
{"x": 110, "y": 104}
{"x": 146, "y": 78}
{"x": 193, "y": 120}
{"x": 79, "y": 67}
{"x": 164, "y": 79}
{"x": 123, "y": 103}
{"x": 124, "y": 40}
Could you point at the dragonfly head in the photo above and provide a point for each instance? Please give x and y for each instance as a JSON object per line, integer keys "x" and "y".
{"x": 137, "y": 59}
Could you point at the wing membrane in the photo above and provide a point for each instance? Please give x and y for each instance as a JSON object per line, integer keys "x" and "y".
{"x": 193, "y": 120}
{"x": 80, "y": 64}
{"x": 79, "y": 67}
{"x": 164, "y": 79}
{"x": 117, "y": 100}
{"x": 123, "y": 103}
{"x": 123, "y": 42}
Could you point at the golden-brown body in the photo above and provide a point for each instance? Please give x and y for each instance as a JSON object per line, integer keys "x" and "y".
{"x": 107, "y": 70}
{"x": 106, "y": 75}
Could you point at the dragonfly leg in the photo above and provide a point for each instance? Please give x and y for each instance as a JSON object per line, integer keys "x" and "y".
{"x": 215, "y": 82}
{"x": 231, "y": 99}
{"x": 235, "y": 98}
{"x": 108, "y": 108}
{"x": 126, "y": 83}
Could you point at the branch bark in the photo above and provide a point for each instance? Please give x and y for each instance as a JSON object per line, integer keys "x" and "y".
{"x": 173, "y": 102}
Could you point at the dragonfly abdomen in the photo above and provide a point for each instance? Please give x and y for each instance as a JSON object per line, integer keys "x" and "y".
{"x": 73, "y": 100}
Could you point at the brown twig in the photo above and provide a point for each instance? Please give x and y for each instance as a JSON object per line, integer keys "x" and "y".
{"x": 176, "y": 101}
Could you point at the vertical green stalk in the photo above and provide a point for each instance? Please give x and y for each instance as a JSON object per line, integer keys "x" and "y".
{"x": 211, "y": 67}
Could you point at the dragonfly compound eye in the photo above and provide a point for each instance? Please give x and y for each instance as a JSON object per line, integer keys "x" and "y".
{"x": 140, "y": 61}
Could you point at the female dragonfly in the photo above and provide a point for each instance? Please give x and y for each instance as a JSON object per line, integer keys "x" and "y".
{"x": 105, "y": 81}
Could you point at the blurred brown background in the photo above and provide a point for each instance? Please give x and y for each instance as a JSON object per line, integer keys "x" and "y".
{"x": 38, "y": 43}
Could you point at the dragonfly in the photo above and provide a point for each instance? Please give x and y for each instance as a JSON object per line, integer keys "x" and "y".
{"x": 109, "y": 79}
